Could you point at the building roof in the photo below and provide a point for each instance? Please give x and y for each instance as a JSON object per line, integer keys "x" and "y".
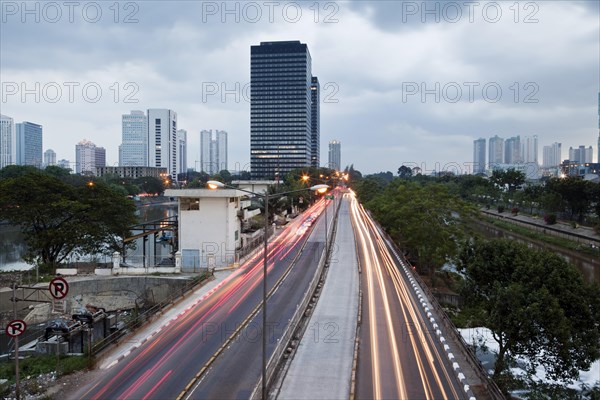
{"x": 206, "y": 193}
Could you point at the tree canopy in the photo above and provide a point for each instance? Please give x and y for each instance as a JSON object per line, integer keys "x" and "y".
{"x": 536, "y": 305}
{"x": 59, "y": 218}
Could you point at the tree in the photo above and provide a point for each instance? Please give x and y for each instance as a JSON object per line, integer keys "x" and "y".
{"x": 576, "y": 194}
{"x": 150, "y": 185}
{"x": 59, "y": 219}
{"x": 536, "y": 305}
{"x": 427, "y": 221}
{"x": 405, "y": 172}
{"x": 511, "y": 179}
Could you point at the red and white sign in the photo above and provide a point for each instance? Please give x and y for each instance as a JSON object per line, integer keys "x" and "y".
{"x": 16, "y": 328}
{"x": 58, "y": 288}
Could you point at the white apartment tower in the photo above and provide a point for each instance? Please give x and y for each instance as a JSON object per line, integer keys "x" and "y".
{"x": 133, "y": 151}
{"x": 8, "y": 141}
{"x": 552, "y": 155}
{"x": 162, "y": 140}
{"x": 213, "y": 151}
{"x": 85, "y": 158}
{"x": 335, "y": 155}
{"x": 479, "y": 156}
{"x": 49, "y": 158}
{"x": 181, "y": 151}
{"x": 529, "y": 149}
{"x": 496, "y": 150}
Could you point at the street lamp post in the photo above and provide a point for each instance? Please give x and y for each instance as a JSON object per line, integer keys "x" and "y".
{"x": 216, "y": 185}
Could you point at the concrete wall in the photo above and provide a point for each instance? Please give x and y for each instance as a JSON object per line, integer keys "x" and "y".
{"x": 111, "y": 293}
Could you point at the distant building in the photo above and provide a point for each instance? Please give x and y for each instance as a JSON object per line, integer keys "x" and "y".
{"x": 581, "y": 154}
{"x": 589, "y": 171}
{"x": 335, "y": 155}
{"x": 132, "y": 172}
{"x": 281, "y": 130}
{"x": 213, "y": 151}
{"x": 88, "y": 156}
{"x": 512, "y": 150}
{"x": 29, "y": 144}
{"x": 530, "y": 170}
{"x": 49, "y": 158}
{"x": 315, "y": 122}
{"x": 182, "y": 151}
{"x": 496, "y": 150}
{"x": 529, "y": 149}
{"x": 552, "y": 156}
{"x": 66, "y": 164}
{"x": 479, "y": 156}
{"x": 8, "y": 141}
{"x": 162, "y": 140}
{"x": 134, "y": 135}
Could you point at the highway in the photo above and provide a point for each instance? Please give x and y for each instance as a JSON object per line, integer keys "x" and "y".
{"x": 399, "y": 355}
{"x": 216, "y": 336}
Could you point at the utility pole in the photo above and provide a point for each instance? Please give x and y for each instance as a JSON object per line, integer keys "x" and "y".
{"x": 17, "y": 383}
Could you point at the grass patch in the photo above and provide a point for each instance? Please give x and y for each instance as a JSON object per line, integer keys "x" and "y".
{"x": 38, "y": 365}
{"x": 542, "y": 237}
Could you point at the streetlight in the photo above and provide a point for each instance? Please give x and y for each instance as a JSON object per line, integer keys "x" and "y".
{"x": 265, "y": 196}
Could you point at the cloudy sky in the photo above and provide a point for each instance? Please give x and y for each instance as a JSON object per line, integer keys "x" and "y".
{"x": 402, "y": 82}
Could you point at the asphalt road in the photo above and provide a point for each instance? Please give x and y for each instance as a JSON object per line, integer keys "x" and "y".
{"x": 163, "y": 366}
{"x": 400, "y": 357}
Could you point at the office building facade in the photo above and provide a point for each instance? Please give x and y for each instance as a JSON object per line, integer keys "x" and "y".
{"x": 162, "y": 140}
{"x": 281, "y": 107}
{"x": 315, "y": 122}
{"x": 8, "y": 141}
{"x": 529, "y": 150}
{"x": 335, "y": 155}
{"x": 134, "y": 135}
{"x": 29, "y": 144}
{"x": 479, "y": 156}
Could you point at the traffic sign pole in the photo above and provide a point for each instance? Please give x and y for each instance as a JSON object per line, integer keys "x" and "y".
{"x": 17, "y": 383}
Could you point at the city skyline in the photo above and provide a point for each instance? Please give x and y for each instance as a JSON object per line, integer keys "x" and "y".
{"x": 379, "y": 71}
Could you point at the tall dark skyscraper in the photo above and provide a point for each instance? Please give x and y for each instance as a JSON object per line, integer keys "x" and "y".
{"x": 281, "y": 128}
{"x": 315, "y": 137}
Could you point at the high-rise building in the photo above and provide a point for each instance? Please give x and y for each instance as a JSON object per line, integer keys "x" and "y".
{"x": 335, "y": 155}
{"x": 552, "y": 156}
{"x": 49, "y": 158}
{"x": 512, "y": 150}
{"x": 315, "y": 122}
{"x": 100, "y": 158}
{"x": 182, "y": 150}
{"x": 162, "y": 140}
{"x": 529, "y": 149}
{"x": 280, "y": 108}
{"x": 479, "y": 156}
{"x": 29, "y": 144}
{"x": 496, "y": 150}
{"x": 581, "y": 154}
{"x": 8, "y": 141}
{"x": 85, "y": 157}
{"x": 598, "y": 128}
{"x": 66, "y": 164}
{"x": 133, "y": 151}
{"x": 213, "y": 151}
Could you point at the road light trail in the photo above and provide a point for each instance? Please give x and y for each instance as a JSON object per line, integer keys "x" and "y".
{"x": 399, "y": 358}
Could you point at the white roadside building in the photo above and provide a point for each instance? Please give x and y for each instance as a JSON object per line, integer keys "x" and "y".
{"x": 209, "y": 232}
